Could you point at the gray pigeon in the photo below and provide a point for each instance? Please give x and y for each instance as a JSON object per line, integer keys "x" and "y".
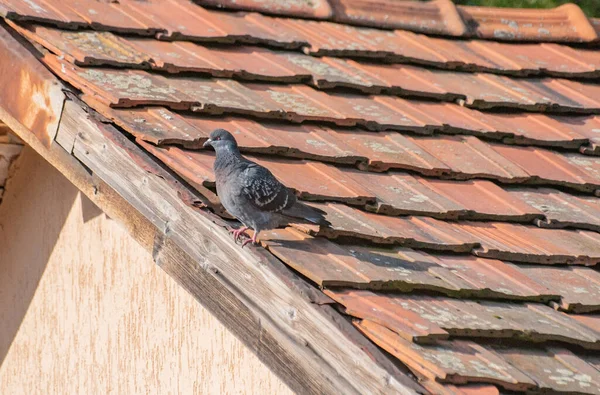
{"x": 252, "y": 194}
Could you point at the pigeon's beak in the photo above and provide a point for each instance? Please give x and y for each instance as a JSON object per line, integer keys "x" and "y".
{"x": 207, "y": 143}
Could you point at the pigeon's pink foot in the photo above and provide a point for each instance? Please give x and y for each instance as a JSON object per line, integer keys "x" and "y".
{"x": 238, "y": 232}
{"x": 252, "y": 240}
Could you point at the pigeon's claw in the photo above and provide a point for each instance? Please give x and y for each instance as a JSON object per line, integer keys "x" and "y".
{"x": 252, "y": 240}
{"x": 238, "y": 232}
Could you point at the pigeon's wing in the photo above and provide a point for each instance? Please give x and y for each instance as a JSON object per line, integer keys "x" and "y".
{"x": 264, "y": 191}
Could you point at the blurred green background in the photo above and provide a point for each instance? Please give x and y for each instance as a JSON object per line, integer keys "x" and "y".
{"x": 590, "y": 7}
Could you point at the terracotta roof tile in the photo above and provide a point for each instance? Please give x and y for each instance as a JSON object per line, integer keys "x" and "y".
{"x": 589, "y": 320}
{"x": 71, "y": 13}
{"x": 436, "y": 17}
{"x": 182, "y": 56}
{"x": 61, "y": 16}
{"x": 389, "y": 150}
{"x": 406, "y": 270}
{"x": 493, "y": 277}
{"x": 184, "y": 20}
{"x": 485, "y": 198}
{"x": 553, "y": 59}
{"x": 577, "y": 171}
{"x": 529, "y": 244}
{"x": 425, "y": 319}
{"x": 459, "y": 157}
{"x": 120, "y": 88}
{"x": 477, "y": 90}
{"x": 557, "y": 369}
{"x": 579, "y": 287}
{"x": 514, "y": 369}
{"x": 402, "y": 46}
{"x": 317, "y": 9}
{"x": 564, "y": 23}
{"x": 562, "y": 209}
{"x": 331, "y": 265}
{"x": 497, "y": 239}
{"x": 449, "y": 389}
{"x": 379, "y": 151}
{"x": 491, "y": 91}
{"x": 401, "y": 193}
{"x": 419, "y": 232}
{"x": 587, "y": 127}
{"x": 541, "y": 130}
{"x": 91, "y": 47}
{"x": 456, "y": 362}
{"x": 469, "y": 155}
{"x": 157, "y": 125}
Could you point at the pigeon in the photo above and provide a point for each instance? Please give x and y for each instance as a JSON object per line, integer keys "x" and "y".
{"x": 251, "y": 193}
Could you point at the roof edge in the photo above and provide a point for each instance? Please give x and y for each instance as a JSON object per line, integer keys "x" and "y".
{"x": 34, "y": 96}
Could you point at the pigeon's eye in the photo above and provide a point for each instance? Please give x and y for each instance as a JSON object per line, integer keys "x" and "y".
{"x": 217, "y": 138}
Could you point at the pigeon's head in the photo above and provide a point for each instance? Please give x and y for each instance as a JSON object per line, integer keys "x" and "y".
{"x": 220, "y": 139}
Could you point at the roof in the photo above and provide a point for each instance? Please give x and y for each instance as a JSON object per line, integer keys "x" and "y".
{"x": 454, "y": 150}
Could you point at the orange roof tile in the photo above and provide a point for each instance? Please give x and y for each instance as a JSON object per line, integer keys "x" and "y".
{"x": 475, "y": 91}
{"x": 319, "y": 9}
{"x": 460, "y": 362}
{"x": 579, "y": 287}
{"x": 564, "y": 23}
{"x": 436, "y": 17}
{"x": 426, "y": 319}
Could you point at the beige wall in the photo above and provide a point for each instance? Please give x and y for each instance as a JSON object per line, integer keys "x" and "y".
{"x": 84, "y": 310}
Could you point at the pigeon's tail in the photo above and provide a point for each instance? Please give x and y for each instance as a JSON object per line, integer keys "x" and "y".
{"x": 307, "y": 213}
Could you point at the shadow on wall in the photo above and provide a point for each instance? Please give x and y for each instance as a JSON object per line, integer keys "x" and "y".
{"x": 34, "y": 209}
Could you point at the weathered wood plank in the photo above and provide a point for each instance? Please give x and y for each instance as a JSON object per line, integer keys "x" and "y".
{"x": 324, "y": 360}
{"x": 31, "y": 93}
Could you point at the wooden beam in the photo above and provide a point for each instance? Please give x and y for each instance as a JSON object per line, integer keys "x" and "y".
{"x": 30, "y": 93}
